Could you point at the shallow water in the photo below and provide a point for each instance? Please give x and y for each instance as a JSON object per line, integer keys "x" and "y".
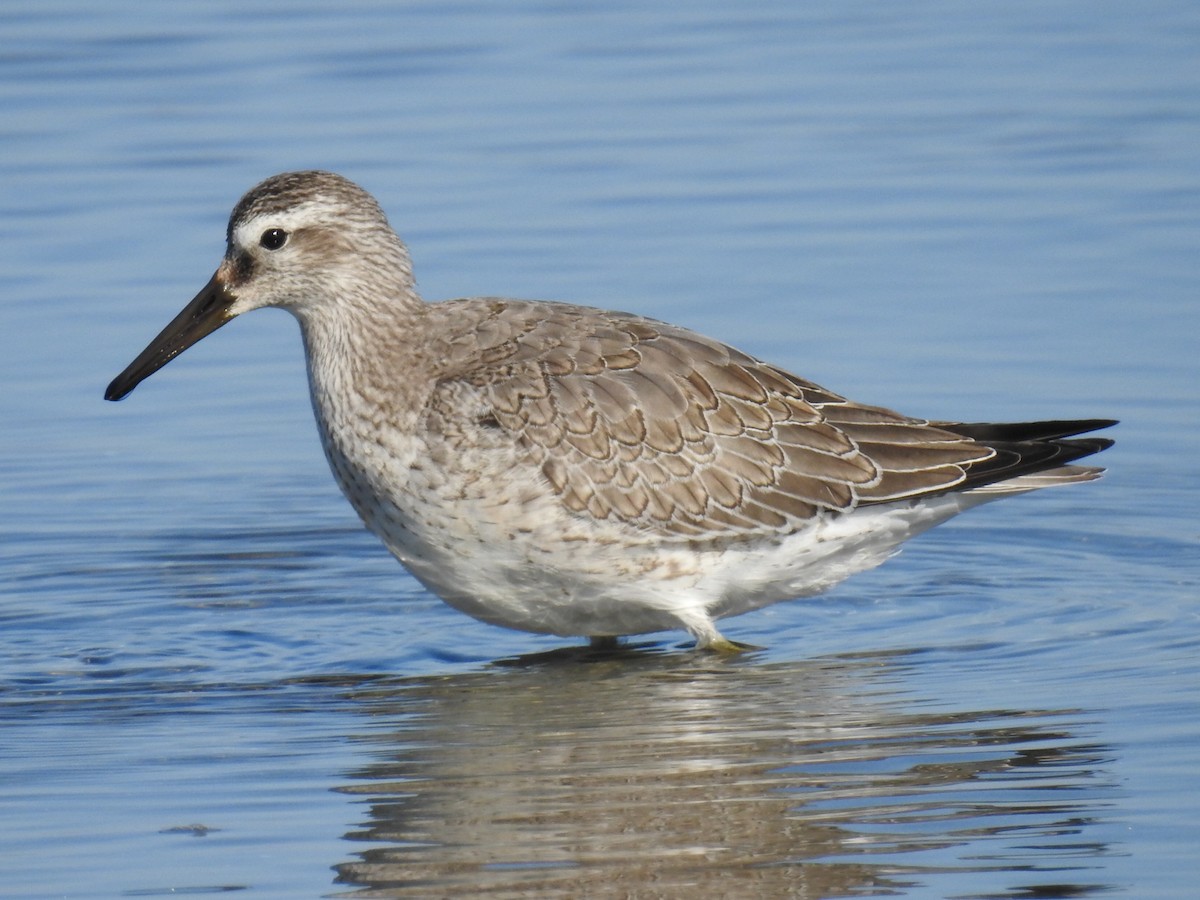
{"x": 212, "y": 680}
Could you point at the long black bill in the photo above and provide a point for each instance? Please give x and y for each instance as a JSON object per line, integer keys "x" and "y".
{"x": 207, "y": 312}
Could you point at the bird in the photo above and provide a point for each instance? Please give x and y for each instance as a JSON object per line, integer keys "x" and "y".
{"x": 582, "y": 472}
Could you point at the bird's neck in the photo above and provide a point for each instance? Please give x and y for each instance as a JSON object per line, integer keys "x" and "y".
{"x": 366, "y": 363}
{"x": 369, "y": 381}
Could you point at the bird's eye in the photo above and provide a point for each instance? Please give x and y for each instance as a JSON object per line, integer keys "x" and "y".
{"x": 273, "y": 238}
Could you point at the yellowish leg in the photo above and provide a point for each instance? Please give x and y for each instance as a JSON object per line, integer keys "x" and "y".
{"x": 724, "y": 645}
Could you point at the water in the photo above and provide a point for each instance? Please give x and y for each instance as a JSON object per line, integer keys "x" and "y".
{"x": 212, "y": 680}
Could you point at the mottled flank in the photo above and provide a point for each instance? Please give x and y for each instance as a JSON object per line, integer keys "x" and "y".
{"x": 579, "y": 471}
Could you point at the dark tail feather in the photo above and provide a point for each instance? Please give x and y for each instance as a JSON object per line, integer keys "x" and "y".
{"x": 1023, "y": 448}
{"x": 986, "y": 432}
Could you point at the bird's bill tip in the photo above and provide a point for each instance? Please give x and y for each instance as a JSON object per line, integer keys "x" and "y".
{"x": 207, "y": 311}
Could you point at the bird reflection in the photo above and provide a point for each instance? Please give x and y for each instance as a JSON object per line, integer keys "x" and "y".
{"x": 650, "y": 774}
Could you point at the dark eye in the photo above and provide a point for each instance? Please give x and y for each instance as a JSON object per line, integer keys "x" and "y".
{"x": 273, "y": 238}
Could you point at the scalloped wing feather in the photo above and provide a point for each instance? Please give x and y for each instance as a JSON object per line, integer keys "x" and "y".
{"x": 659, "y": 428}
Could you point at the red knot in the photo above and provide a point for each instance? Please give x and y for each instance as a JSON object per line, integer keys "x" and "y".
{"x": 577, "y": 471}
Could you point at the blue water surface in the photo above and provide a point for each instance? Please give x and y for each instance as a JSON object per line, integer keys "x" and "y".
{"x": 213, "y": 680}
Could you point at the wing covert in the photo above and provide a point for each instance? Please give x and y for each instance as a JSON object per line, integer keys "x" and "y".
{"x": 663, "y": 430}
